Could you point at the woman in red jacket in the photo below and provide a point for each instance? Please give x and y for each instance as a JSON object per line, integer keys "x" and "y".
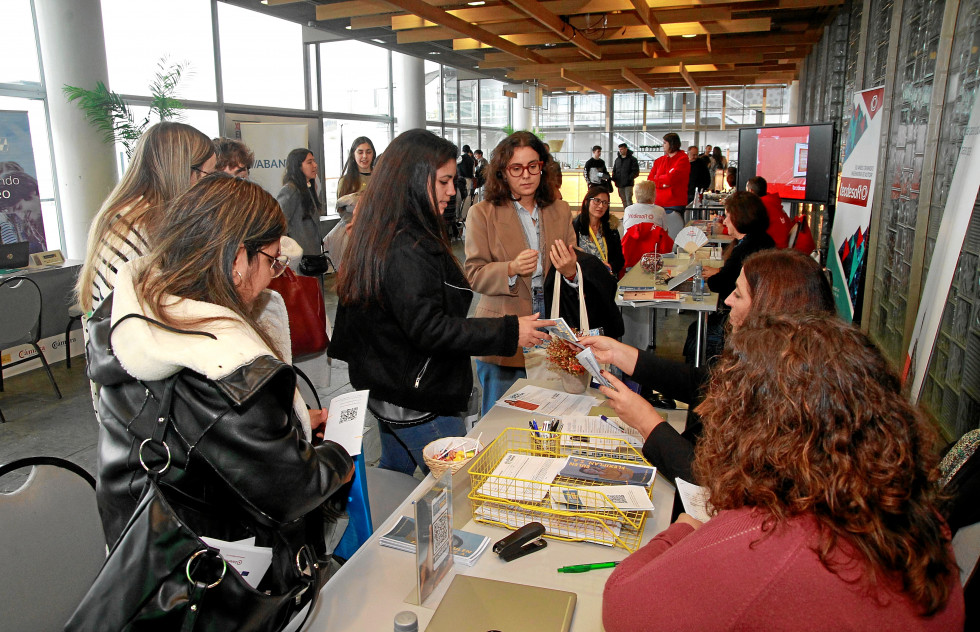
{"x": 825, "y": 518}
{"x": 670, "y": 173}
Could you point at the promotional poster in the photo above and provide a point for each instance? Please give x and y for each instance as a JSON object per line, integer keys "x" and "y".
{"x": 20, "y": 202}
{"x": 848, "y": 251}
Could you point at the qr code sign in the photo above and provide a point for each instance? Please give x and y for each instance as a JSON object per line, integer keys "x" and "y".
{"x": 618, "y": 498}
{"x": 348, "y": 414}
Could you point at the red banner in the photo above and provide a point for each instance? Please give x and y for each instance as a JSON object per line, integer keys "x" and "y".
{"x": 854, "y": 191}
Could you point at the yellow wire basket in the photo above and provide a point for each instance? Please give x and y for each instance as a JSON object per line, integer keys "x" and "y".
{"x": 513, "y": 502}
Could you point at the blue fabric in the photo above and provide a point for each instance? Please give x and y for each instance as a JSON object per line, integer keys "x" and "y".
{"x": 395, "y": 457}
{"x": 495, "y": 380}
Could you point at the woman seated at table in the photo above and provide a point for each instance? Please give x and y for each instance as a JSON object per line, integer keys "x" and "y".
{"x": 401, "y": 323}
{"x": 595, "y": 232}
{"x": 771, "y": 282}
{"x": 746, "y": 220}
{"x": 819, "y": 473}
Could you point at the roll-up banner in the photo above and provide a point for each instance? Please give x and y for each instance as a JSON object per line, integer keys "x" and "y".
{"x": 852, "y": 218}
{"x": 949, "y": 244}
{"x": 271, "y": 143}
{"x": 20, "y": 201}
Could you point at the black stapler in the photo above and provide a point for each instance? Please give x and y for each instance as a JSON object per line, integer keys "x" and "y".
{"x": 522, "y": 542}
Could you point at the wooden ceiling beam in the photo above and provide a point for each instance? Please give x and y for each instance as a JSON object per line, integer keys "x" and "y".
{"x": 371, "y": 22}
{"x": 643, "y": 63}
{"x": 437, "y": 15}
{"x": 586, "y": 83}
{"x": 630, "y": 76}
{"x": 552, "y": 22}
{"x": 647, "y": 17}
{"x": 434, "y": 33}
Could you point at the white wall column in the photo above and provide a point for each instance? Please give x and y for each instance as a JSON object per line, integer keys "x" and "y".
{"x": 73, "y": 53}
{"x": 794, "y": 102}
{"x": 522, "y": 114}
{"x": 410, "y": 101}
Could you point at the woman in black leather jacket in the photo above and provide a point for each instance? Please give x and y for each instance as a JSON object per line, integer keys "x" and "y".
{"x": 239, "y": 437}
{"x": 401, "y": 323}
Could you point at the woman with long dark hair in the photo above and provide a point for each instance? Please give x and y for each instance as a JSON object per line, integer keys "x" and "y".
{"x": 300, "y": 202}
{"x": 196, "y": 311}
{"x": 513, "y": 238}
{"x": 401, "y": 323}
{"x": 168, "y": 159}
{"x": 595, "y": 233}
{"x": 358, "y": 167}
{"x": 771, "y": 282}
{"x": 821, "y": 479}
{"x": 747, "y": 220}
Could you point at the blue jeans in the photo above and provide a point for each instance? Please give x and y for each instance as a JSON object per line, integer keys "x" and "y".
{"x": 401, "y": 447}
{"x": 495, "y": 380}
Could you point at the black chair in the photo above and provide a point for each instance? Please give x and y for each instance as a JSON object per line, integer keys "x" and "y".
{"x": 20, "y": 313}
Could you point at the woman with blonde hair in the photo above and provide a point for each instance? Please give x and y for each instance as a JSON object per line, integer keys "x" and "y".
{"x": 168, "y": 159}
{"x": 182, "y": 323}
{"x": 821, "y": 479}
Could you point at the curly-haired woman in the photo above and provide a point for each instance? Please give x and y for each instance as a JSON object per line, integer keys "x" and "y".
{"x": 819, "y": 472}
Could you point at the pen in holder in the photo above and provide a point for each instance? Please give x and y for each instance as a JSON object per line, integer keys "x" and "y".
{"x": 545, "y": 436}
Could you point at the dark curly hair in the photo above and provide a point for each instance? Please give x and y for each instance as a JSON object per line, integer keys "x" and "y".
{"x": 497, "y": 191}
{"x": 804, "y": 417}
{"x": 786, "y": 281}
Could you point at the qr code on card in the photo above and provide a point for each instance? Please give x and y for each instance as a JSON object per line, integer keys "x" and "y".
{"x": 348, "y": 414}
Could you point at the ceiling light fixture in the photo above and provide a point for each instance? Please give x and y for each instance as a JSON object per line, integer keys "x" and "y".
{"x": 380, "y": 41}
{"x": 476, "y": 3}
{"x": 347, "y": 27}
{"x": 690, "y": 35}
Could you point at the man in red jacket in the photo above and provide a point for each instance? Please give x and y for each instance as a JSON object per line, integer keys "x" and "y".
{"x": 779, "y": 223}
{"x": 671, "y": 173}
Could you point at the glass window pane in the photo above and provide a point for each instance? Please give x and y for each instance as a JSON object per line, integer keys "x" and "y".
{"x": 558, "y": 111}
{"x": 590, "y": 110}
{"x": 468, "y": 101}
{"x": 450, "y": 91}
{"x": 18, "y": 50}
{"x": 494, "y": 106}
{"x": 261, "y": 58}
{"x": 433, "y": 91}
{"x": 360, "y": 84}
{"x": 133, "y": 50}
{"x": 338, "y": 135}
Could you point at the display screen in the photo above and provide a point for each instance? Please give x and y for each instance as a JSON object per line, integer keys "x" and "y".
{"x": 795, "y": 160}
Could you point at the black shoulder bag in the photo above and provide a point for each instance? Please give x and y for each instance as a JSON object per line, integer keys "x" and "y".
{"x": 161, "y": 576}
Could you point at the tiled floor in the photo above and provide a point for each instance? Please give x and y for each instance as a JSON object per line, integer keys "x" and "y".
{"x": 40, "y": 424}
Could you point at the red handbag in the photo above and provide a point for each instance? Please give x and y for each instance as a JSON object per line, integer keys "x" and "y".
{"x": 307, "y": 314}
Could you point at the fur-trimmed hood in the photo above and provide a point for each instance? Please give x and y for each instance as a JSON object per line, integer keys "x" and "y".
{"x": 149, "y": 352}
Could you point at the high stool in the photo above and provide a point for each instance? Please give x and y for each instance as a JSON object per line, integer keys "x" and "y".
{"x": 74, "y": 316}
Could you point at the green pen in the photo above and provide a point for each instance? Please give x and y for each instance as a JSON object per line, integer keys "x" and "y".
{"x": 582, "y": 568}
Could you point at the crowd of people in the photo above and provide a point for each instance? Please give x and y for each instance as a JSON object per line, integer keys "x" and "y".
{"x": 821, "y": 477}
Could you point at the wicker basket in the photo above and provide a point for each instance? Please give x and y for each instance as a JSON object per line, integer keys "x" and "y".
{"x": 436, "y": 466}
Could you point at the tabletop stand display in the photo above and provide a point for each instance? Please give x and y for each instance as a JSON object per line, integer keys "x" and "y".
{"x": 514, "y": 502}
{"x": 434, "y": 537}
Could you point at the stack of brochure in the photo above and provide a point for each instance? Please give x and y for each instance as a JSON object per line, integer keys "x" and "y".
{"x": 467, "y": 547}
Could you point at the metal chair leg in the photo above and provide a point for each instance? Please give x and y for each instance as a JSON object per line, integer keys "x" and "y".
{"x": 48, "y": 369}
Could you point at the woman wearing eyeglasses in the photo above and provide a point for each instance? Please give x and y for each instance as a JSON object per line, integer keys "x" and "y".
{"x": 168, "y": 159}
{"x": 513, "y": 238}
{"x": 196, "y": 309}
{"x": 401, "y": 323}
{"x": 595, "y": 232}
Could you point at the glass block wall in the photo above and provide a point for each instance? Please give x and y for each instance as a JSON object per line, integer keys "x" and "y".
{"x": 902, "y": 170}
{"x": 951, "y": 392}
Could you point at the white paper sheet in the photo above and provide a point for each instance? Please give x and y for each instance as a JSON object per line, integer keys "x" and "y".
{"x": 249, "y": 560}
{"x": 695, "y": 499}
{"x": 586, "y": 358}
{"x": 623, "y": 497}
{"x": 536, "y": 474}
{"x": 594, "y": 432}
{"x": 345, "y": 421}
{"x": 547, "y": 402}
